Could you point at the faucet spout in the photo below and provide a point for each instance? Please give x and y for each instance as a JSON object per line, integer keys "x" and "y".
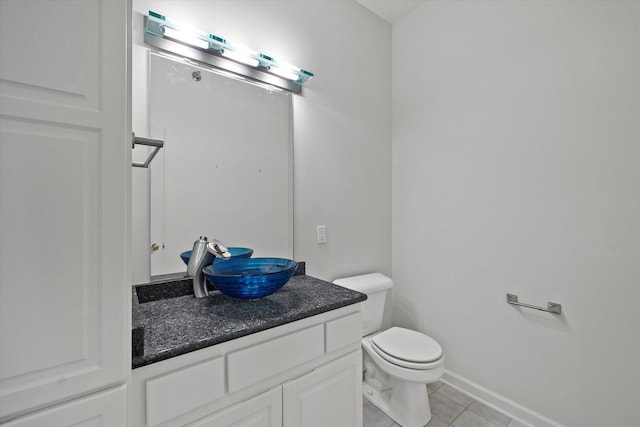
{"x": 214, "y": 249}
{"x": 199, "y": 281}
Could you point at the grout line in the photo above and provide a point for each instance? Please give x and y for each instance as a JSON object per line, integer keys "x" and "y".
{"x": 466, "y": 408}
{"x": 474, "y": 412}
{"x": 457, "y": 416}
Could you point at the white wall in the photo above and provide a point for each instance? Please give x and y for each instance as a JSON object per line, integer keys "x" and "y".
{"x": 342, "y": 123}
{"x": 516, "y": 168}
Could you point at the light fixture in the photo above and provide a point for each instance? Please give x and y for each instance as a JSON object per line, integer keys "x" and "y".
{"x": 185, "y": 37}
{"x": 213, "y": 50}
{"x": 283, "y": 73}
{"x": 244, "y": 56}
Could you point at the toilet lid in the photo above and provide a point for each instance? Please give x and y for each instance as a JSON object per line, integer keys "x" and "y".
{"x": 405, "y": 344}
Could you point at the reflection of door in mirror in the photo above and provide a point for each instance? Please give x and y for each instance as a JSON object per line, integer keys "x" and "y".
{"x": 226, "y": 168}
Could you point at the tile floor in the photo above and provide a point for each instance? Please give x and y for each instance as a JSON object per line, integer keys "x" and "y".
{"x": 449, "y": 408}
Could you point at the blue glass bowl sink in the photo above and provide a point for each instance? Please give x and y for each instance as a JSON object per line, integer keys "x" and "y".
{"x": 250, "y": 278}
{"x": 236, "y": 253}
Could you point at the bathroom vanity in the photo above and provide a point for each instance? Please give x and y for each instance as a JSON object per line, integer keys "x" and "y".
{"x": 290, "y": 359}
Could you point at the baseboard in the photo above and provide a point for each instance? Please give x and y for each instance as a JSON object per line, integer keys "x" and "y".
{"x": 496, "y": 401}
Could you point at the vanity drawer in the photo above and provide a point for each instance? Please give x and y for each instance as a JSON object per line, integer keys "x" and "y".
{"x": 343, "y": 332}
{"x": 259, "y": 362}
{"x": 181, "y": 391}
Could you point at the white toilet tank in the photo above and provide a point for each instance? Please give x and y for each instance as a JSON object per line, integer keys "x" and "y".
{"x": 375, "y": 286}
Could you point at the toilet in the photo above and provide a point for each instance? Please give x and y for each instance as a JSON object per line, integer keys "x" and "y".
{"x": 398, "y": 363}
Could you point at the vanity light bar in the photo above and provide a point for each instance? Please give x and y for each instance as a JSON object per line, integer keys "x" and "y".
{"x": 160, "y": 26}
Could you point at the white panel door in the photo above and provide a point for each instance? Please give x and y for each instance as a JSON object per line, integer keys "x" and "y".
{"x": 64, "y": 199}
{"x": 97, "y": 410}
{"x": 264, "y": 410}
{"x": 329, "y": 396}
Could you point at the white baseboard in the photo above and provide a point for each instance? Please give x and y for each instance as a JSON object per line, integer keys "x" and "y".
{"x": 496, "y": 401}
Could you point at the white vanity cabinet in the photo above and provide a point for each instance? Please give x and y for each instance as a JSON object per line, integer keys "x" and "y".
{"x": 305, "y": 373}
{"x": 264, "y": 410}
{"x": 327, "y": 396}
{"x": 331, "y": 395}
{"x": 65, "y": 149}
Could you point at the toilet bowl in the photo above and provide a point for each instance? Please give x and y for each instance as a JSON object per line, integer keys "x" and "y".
{"x": 406, "y": 354}
{"x": 397, "y": 386}
{"x": 398, "y": 363}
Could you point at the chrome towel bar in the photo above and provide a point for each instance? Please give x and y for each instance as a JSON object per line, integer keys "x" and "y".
{"x": 552, "y": 307}
{"x": 156, "y": 143}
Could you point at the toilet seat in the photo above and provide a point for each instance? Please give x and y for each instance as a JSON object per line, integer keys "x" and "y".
{"x": 426, "y": 373}
{"x": 407, "y": 348}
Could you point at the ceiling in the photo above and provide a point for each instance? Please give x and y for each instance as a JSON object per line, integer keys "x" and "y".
{"x": 390, "y": 10}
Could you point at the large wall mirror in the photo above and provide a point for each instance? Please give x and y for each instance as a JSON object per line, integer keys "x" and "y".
{"x": 226, "y": 169}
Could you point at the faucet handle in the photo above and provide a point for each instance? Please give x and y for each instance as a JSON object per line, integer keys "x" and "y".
{"x": 216, "y": 248}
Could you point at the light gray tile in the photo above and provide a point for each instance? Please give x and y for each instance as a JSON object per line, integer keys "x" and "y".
{"x": 373, "y": 417}
{"x": 471, "y": 419}
{"x": 433, "y": 387}
{"x": 490, "y": 414}
{"x": 443, "y": 407}
{"x": 436, "y": 422}
{"x": 455, "y": 395}
{"x": 516, "y": 423}
{"x": 433, "y": 422}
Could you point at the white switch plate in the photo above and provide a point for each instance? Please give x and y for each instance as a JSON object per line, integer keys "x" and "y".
{"x": 321, "y": 232}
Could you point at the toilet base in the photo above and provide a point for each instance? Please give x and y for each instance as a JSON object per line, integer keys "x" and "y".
{"x": 407, "y": 405}
{"x": 402, "y": 397}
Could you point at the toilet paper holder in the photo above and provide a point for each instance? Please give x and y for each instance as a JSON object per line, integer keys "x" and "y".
{"x": 552, "y": 307}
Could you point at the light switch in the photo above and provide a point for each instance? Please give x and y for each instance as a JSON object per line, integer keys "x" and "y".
{"x": 321, "y": 232}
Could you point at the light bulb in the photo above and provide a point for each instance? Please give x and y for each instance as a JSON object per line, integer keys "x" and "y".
{"x": 289, "y": 75}
{"x": 240, "y": 56}
{"x": 188, "y": 38}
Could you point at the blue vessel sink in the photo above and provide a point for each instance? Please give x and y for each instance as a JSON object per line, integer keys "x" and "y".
{"x": 250, "y": 278}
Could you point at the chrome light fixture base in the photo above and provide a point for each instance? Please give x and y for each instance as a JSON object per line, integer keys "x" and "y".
{"x": 176, "y": 38}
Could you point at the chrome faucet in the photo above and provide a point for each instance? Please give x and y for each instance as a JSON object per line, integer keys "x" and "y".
{"x": 202, "y": 255}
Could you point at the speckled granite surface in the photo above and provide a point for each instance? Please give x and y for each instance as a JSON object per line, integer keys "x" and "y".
{"x": 182, "y": 324}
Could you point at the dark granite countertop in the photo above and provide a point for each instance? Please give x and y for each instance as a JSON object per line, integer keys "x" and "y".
{"x": 180, "y": 323}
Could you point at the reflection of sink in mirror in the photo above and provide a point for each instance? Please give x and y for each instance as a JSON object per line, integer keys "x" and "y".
{"x": 236, "y": 253}
{"x": 250, "y": 278}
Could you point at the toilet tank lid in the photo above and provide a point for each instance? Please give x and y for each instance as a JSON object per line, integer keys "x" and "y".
{"x": 366, "y": 283}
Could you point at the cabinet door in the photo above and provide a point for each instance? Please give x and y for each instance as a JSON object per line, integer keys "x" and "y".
{"x": 100, "y": 409}
{"x": 64, "y": 199}
{"x": 264, "y": 410}
{"x": 329, "y": 396}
